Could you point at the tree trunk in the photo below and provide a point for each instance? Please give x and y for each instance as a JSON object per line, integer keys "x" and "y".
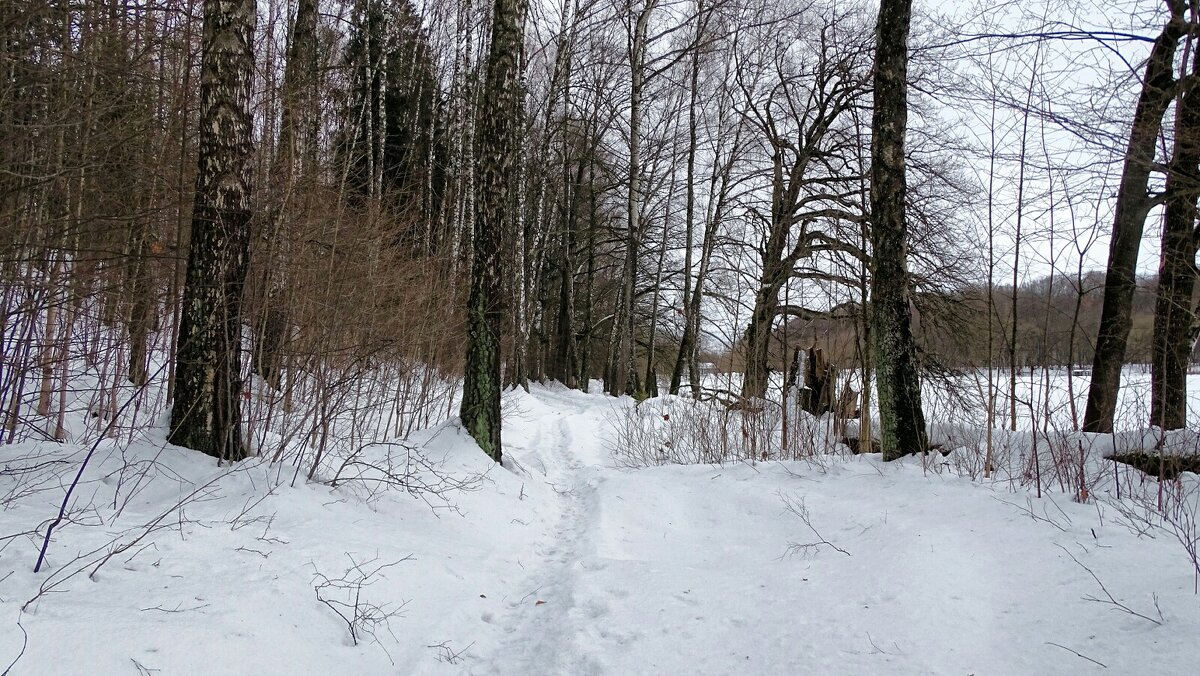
{"x": 651, "y": 382}
{"x": 141, "y": 306}
{"x": 49, "y": 337}
{"x": 585, "y": 342}
{"x": 688, "y": 340}
{"x": 624, "y": 380}
{"x": 295, "y": 159}
{"x": 498, "y": 125}
{"x": 902, "y": 421}
{"x": 1013, "y": 370}
{"x": 567, "y": 352}
{"x": 758, "y": 339}
{"x": 1133, "y": 203}
{"x": 775, "y": 273}
{"x": 690, "y": 343}
{"x": 1173, "y": 317}
{"x": 206, "y": 415}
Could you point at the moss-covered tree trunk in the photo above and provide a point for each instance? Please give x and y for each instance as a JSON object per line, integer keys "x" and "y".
{"x": 498, "y": 125}
{"x": 1129, "y": 219}
{"x": 1173, "y": 314}
{"x": 206, "y": 414}
{"x": 902, "y": 421}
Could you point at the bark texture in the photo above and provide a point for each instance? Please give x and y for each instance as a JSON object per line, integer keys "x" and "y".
{"x": 480, "y": 411}
{"x": 622, "y": 374}
{"x": 902, "y": 420}
{"x": 206, "y": 414}
{"x": 1174, "y": 318}
{"x": 1133, "y": 204}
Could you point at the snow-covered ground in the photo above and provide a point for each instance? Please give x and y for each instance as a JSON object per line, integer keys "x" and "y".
{"x": 563, "y": 562}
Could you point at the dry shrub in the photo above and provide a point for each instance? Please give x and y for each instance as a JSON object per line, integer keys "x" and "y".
{"x": 677, "y": 430}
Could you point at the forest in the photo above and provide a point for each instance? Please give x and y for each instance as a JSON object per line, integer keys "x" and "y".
{"x": 733, "y": 220}
{"x": 288, "y": 264}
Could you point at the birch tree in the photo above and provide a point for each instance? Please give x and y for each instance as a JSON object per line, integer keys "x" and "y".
{"x": 498, "y": 124}
{"x": 206, "y": 414}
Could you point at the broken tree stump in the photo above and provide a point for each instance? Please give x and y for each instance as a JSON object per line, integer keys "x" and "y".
{"x": 819, "y": 394}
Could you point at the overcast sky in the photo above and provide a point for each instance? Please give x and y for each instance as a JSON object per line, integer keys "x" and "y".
{"x": 1080, "y": 97}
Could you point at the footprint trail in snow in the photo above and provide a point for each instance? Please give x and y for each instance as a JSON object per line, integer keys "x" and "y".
{"x": 684, "y": 569}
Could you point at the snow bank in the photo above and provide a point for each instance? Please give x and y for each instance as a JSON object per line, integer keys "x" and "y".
{"x": 567, "y": 561}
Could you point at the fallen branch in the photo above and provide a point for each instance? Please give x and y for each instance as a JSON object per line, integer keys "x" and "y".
{"x": 1111, "y": 600}
{"x": 800, "y": 509}
{"x": 1057, "y": 645}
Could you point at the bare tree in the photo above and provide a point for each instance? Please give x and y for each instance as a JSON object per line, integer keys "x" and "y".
{"x": 803, "y": 116}
{"x": 295, "y": 161}
{"x": 1132, "y": 206}
{"x": 624, "y": 374}
{"x": 1175, "y": 328}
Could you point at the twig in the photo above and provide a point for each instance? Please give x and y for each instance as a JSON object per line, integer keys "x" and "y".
{"x": 1032, "y": 514}
{"x": 449, "y": 655}
{"x": 143, "y": 669}
{"x": 24, "y": 645}
{"x": 361, "y": 616}
{"x": 177, "y": 609}
{"x": 62, "y": 509}
{"x": 1077, "y": 653}
{"x": 801, "y": 510}
{"x": 1117, "y": 605}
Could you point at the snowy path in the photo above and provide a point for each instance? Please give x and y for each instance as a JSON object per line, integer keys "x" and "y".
{"x": 537, "y": 632}
{"x": 684, "y": 570}
{"x": 562, "y": 564}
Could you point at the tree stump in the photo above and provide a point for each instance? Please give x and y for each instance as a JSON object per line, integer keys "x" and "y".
{"x": 820, "y": 383}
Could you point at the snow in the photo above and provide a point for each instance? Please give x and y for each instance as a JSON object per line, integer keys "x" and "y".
{"x": 567, "y": 561}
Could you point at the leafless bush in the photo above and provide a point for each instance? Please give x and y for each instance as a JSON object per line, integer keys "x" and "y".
{"x": 136, "y": 539}
{"x": 808, "y": 437}
{"x": 674, "y": 430}
{"x": 404, "y": 467}
{"x": 1173, "y": 510}
{"x": 447, "y": 654}
{"x": 344, "y": 596}
{"x": 720, "y": 427}
{"x": 37, "y": 470}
